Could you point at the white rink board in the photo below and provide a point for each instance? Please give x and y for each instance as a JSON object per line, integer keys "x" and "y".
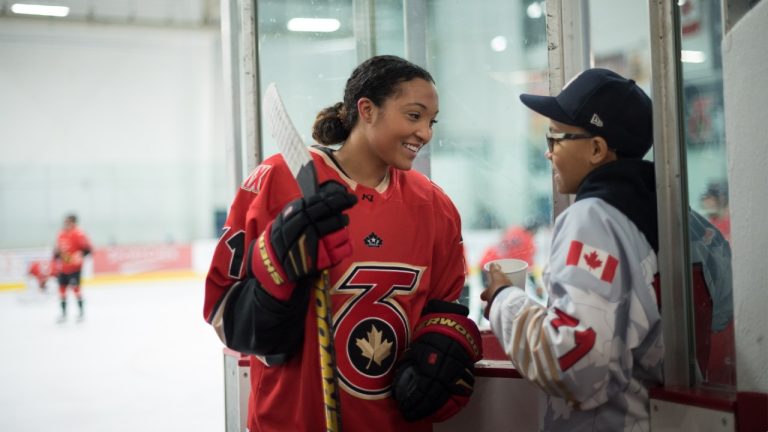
{"x": 498, "y": 405}
{"x": 672, "y": 417}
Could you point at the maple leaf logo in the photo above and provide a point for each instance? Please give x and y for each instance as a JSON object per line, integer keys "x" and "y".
{"x": 592, "y": 260}
{"x": 373, "y": 348}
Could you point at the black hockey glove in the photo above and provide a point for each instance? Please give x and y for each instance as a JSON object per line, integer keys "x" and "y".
{"x": 307, "y": 237}
{"x": 435, "y": 377}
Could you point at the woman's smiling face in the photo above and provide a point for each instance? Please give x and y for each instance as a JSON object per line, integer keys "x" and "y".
{"x": 402, "y": 125}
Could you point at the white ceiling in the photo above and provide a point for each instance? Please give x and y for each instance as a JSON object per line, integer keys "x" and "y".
{"x": 154, "y": 12}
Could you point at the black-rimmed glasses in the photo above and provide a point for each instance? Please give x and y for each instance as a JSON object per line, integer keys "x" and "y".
{"x": 556, "y": 137}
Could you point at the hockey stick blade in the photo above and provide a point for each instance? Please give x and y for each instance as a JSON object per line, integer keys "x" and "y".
{"x": 289, "y": 142}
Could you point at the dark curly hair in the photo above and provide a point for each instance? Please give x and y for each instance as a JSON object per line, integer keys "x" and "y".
{"x": 377, "y": 79}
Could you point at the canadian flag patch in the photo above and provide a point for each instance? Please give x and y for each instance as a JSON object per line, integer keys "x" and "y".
{"x": 596, "y": 261}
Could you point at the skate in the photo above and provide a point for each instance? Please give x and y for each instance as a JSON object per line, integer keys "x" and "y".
{"x": 63, "y": 316}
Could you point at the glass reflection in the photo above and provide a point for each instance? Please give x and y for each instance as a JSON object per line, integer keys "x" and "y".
{"x": 488, "y": 152}
{"x": 709, "y": 223}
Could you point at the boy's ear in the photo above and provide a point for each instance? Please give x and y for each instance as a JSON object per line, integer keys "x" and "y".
{"x": 601, "y": 153}
{"x": 365, "y": 108}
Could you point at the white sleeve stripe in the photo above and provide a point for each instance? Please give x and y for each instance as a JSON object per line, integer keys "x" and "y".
{"x": 532, "y": 353}
{"x": 539, "y": 356}
{"x": 515, "y": 354}
{"x": 550, "y": 374}
{"x": 523, "y": 354}
{"x": 218, "y": 325}
{"x": 526, "y": 347}
{"x": 554, "y": 366}
{"x": 217, "y": 320}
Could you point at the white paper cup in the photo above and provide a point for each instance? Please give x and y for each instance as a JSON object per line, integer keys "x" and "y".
{"x": 515, "y": 270}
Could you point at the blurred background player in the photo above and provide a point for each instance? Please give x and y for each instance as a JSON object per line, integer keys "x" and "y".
{"x": 40, "y": 271}
{"x": 516, "y": 242}
{"x": 714, "y": 205}
{"x": 528, "y": 242}
{"x": 72, "y": 245}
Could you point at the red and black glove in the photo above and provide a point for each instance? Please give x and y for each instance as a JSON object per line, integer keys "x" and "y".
{"x": 308, "y": 236}
{"x": 435, "y": 377}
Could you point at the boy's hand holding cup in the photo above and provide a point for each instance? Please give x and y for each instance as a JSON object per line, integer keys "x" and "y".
{"x": 503, "y": 273}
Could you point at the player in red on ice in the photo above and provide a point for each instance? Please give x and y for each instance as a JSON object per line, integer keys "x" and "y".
{"x": 391, "y": 240}
{"x": 41, "y": 271}
{"x": 72, "y": 245}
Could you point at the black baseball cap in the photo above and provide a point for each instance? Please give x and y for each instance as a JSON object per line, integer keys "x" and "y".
{"x": 606, "y": 104}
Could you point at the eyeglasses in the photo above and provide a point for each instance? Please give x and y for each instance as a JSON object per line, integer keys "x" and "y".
{"x": 553, "y": 138}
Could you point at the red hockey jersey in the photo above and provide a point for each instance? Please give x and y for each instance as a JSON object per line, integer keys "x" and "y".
{"x": 70, "y": 247}
{"x": 406, "y": 235}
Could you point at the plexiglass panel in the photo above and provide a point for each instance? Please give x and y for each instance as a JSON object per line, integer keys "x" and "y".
{"x": 488, "y": 149}
{"x": 619, "y": 39}
{"x": 706, "y": 158}
{"x": 308, "y": 49}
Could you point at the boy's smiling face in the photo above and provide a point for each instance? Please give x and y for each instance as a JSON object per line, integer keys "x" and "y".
{"x": 571, "y": 158}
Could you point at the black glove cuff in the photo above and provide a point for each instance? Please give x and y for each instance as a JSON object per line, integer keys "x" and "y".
{"x": 443, "y": 307}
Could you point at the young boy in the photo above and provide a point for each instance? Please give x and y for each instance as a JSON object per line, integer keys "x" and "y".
{"x": 597, "y": 347}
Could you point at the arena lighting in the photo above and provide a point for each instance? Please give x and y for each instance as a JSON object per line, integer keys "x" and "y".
{"x": 535, "y": 10}
{"x": 691, "y": 56}
{"x": 499, "y": 43}
{"x": 34, "y": 9}
{"x": 325, "y": 25}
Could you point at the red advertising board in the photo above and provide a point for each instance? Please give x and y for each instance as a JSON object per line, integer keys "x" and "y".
{"x": 141, "y": 259}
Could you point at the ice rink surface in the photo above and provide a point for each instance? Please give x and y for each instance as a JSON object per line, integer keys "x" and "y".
{"x": 143, "y": 359}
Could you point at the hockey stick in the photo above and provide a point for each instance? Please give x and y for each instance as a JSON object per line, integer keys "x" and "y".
{"x": 300, "y": 163}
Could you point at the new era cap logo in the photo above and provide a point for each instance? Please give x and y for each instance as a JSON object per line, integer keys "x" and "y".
{"x": 595, "y": 120}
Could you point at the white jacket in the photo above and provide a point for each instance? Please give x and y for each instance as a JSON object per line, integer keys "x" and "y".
{"x": 597, "y": 347}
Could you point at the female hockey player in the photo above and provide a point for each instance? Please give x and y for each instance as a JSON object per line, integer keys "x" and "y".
{"x": 392, "y": 243}
{"x": 72, "y": 245}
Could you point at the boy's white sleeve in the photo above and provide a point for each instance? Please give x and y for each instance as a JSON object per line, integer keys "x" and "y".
{"x": 594, "y": 319}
